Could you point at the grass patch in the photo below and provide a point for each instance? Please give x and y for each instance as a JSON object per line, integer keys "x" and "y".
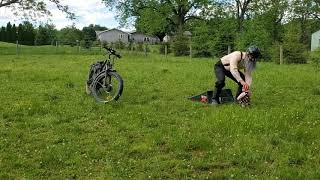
{"x": 49, "y": 127}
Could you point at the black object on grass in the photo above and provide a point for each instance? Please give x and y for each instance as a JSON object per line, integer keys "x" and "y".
{"x": 206, "y": 97}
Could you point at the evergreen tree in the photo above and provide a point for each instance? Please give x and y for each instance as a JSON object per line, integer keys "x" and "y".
{"x": 293, "y": 49}
{"x": 8, "y": 31}
{"x": 89, "y": 33}
{"x": 20, "y": 33}
{"x": 2, "y": 33}
{"x": 13, "y": 34}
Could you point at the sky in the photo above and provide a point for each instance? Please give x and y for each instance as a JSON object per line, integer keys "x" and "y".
{"x": 87, "y": 12}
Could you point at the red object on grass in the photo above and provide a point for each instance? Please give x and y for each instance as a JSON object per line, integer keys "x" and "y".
{"x": 204, "y": 99}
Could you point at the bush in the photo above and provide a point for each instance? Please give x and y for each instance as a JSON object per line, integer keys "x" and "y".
{"x": 140, "y": 47}
{"x": 120, "y": 45}
{"x": 131, "y": 46}
{"x": 86, "y": 44}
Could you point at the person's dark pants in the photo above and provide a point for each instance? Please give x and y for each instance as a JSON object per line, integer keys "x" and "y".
{"x": 220, "y": 73}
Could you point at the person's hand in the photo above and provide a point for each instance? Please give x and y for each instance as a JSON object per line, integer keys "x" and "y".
{"x": 245, "y": 86}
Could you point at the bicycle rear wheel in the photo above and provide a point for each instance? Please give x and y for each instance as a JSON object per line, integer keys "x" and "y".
{"x": 107, "y": 87}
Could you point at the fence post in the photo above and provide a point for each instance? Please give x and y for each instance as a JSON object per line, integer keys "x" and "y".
{"x": 132, "y": 44}
{"x": 17, "y": 48}
{"x": 190, "y": 45}
{"x": 281, "y": 54}
{"x": 17, "y": 42}
{"x": 78, "y": 44}
{"x": 165, "y": 50}
{"x": 145, "y": 49}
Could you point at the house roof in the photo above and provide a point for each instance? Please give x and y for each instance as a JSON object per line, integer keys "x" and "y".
{"x": 114, "y": 29}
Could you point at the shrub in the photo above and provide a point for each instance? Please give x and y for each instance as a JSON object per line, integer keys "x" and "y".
{"x": 140, "y": 47}
{"x": 180, "y": 45}
{"x": 120, "y": 45}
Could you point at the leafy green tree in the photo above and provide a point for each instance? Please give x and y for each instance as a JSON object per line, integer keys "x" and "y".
{"x": 46, "y": 34}
{"x": 255, "y": 34}
{"x": 28, "y": 33}
{"x": 89, "y": 34}
{"x": 70, "y": 35}
{"x": 270, "y": 14}
{"x": 159, "y": 16}
{"x": 303, "y": 11}
{"x": 34, "y": 8}
{"x": 97, "y": 27}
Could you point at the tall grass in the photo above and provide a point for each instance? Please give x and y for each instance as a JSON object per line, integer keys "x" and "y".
{"x": 49, "y": 128}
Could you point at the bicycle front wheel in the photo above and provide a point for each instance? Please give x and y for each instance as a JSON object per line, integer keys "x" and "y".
{"x": 107, "y": 87}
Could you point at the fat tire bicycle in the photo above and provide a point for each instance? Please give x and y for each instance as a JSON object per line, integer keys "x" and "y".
{"x": 107, "y": 85}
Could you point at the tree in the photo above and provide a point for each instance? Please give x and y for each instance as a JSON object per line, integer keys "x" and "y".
{"x": 99, "y": 28}
{"x": 34, "y": 8}
{"x": 293, "y": 48}
{"x": 270, "y": 14}
{"x": 240, "y": 9}
{"x": 2, "y": 33}
{"x": 8, "y": 37}
{"x": 70, "y": 35}
{"x": 89, "y": 33}
{"x": 28, "y": 33}
{"x": 46, "y": 34}
{"x": 20, "y": 33}
{"x": 159, "y": 16}
{"x": 13, "y": 33}
{"x": 303, "y": 11}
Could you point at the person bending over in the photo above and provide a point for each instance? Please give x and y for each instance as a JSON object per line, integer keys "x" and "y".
{"x": 230, "y": 66}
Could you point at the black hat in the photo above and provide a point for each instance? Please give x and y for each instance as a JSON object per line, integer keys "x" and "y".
{"x": 254, "y": 51}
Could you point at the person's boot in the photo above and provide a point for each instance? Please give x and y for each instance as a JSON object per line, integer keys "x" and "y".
{"x": 215, "y": 98}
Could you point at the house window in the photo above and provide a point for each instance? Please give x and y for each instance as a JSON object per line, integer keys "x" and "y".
{"x": 120, "y": 36}
{"x": 146, "y": 39}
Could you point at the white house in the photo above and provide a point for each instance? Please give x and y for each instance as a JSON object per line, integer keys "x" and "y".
{"x": 315, "y": 41}
{"x": 113, "y": 35}
{"x": 167, "y": 38}
{"x": 143, "y": 38}
{"x": 116, "y": 35}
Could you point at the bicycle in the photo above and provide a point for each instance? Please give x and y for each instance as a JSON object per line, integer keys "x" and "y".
{"x": 107, "y": 85}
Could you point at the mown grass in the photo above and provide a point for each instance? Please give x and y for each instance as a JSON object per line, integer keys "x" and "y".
{"x": 49, "y": 128}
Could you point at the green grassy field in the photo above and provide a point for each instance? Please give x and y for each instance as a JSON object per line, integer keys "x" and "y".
{"x": 49, "y": 128}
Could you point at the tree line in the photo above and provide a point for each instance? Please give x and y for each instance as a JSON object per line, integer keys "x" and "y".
{"x": 218, "y": 24}
{"x": 46, "y": 34}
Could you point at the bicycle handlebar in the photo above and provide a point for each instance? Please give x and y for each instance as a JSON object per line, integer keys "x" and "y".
{"x": 112, "y": 52}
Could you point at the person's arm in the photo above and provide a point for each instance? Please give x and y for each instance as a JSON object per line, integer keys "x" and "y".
{"x": 248, "y": 77}
{"x": 234, "y": 70}
{"x": 235, "y": 73}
